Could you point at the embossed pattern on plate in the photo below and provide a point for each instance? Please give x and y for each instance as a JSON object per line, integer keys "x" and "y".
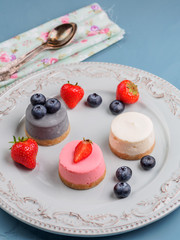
{"x": 40, "y": 199}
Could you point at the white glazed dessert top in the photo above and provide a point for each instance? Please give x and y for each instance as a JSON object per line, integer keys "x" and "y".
{"x": 132, "y": 126}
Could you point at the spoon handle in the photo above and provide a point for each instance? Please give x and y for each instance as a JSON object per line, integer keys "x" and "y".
{"x": 10, "y": 68}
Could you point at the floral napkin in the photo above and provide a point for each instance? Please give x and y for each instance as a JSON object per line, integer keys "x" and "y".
{"x": 95, "y": 32}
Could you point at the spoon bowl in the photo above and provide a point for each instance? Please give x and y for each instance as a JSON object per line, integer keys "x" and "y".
{"x": 61, "y": 35}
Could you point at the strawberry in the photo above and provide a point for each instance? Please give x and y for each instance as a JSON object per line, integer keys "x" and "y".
{"x": 82, "y": 150}
{"x": 24, "y": 151}
{"x": 71, "y": 94}
{"x": 127, "y": 92}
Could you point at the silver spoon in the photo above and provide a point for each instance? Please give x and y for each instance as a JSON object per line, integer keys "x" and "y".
{"x": 57, "y": 38}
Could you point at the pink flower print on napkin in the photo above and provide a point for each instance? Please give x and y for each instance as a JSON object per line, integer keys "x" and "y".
{"x": 105, "y": 30}
{"x": 95, "y": 7}
{"x": 64, "y": 19}
{"x": 53, "y": 60}
{"x": 14, "y": 76}
{"x": 84, "y": 40}
{"x": 12, "y": 57}
{"x": 48, "y": 61}
{"x": 44, "y": 36}
{"x": 45, "y": 60}
{"x": 4, "y": 57}
{"x": 94, "y": 28}
{"x": 92, "y": 33}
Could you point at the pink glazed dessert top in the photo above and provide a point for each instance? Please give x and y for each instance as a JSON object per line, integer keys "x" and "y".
{"x": 87, "y": 170}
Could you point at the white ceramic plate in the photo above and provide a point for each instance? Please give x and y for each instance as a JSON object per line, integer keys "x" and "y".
{"x": 40, "y": 199}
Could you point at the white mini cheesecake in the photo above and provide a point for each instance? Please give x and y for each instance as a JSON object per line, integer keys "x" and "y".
{"x": 132, "y": 136}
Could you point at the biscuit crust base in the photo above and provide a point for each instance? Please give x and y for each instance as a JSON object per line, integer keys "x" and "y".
{"x": 50, "y": 142}
{"x": 131, "y": 157}
{"x": 82, "y": 186}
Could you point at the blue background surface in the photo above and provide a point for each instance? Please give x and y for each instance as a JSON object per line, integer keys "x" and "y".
{"x": 151, "y": 43}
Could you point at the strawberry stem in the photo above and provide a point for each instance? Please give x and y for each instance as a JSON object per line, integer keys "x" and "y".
{"x": 76, "y": 84}
{"x": 87, "y": 140}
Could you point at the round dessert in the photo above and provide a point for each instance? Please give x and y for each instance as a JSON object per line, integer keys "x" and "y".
{"x": 132, "y": 136}
{"x": 49, "y": 129}
{"x": 84, "y": 174}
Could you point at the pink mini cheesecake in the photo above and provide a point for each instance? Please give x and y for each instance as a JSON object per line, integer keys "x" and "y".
{"x": 84, "y": 174}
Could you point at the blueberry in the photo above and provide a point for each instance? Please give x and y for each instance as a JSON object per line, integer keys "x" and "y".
{"x": 38, "y": 98}
{"x": 116, "y": 107}
{"x": 122, "y": 190}
{"x": 94, "y": 100}
{"x": 38, "y": 111}
{"x": 52, "y": 105}
{"x": 123, "y": 174}
{"x": 147, "y": 162}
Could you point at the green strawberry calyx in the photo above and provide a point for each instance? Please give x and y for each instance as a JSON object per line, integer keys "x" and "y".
{"x": 76, "y": 84}
{"x": 132, "y": 88}
{"x": 20, "y": 139}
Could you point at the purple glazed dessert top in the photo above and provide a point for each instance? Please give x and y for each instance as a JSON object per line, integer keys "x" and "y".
{"x": 48, "y": 127}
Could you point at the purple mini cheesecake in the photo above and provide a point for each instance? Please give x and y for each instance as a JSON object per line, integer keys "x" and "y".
{"x": 50, "y": 129}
